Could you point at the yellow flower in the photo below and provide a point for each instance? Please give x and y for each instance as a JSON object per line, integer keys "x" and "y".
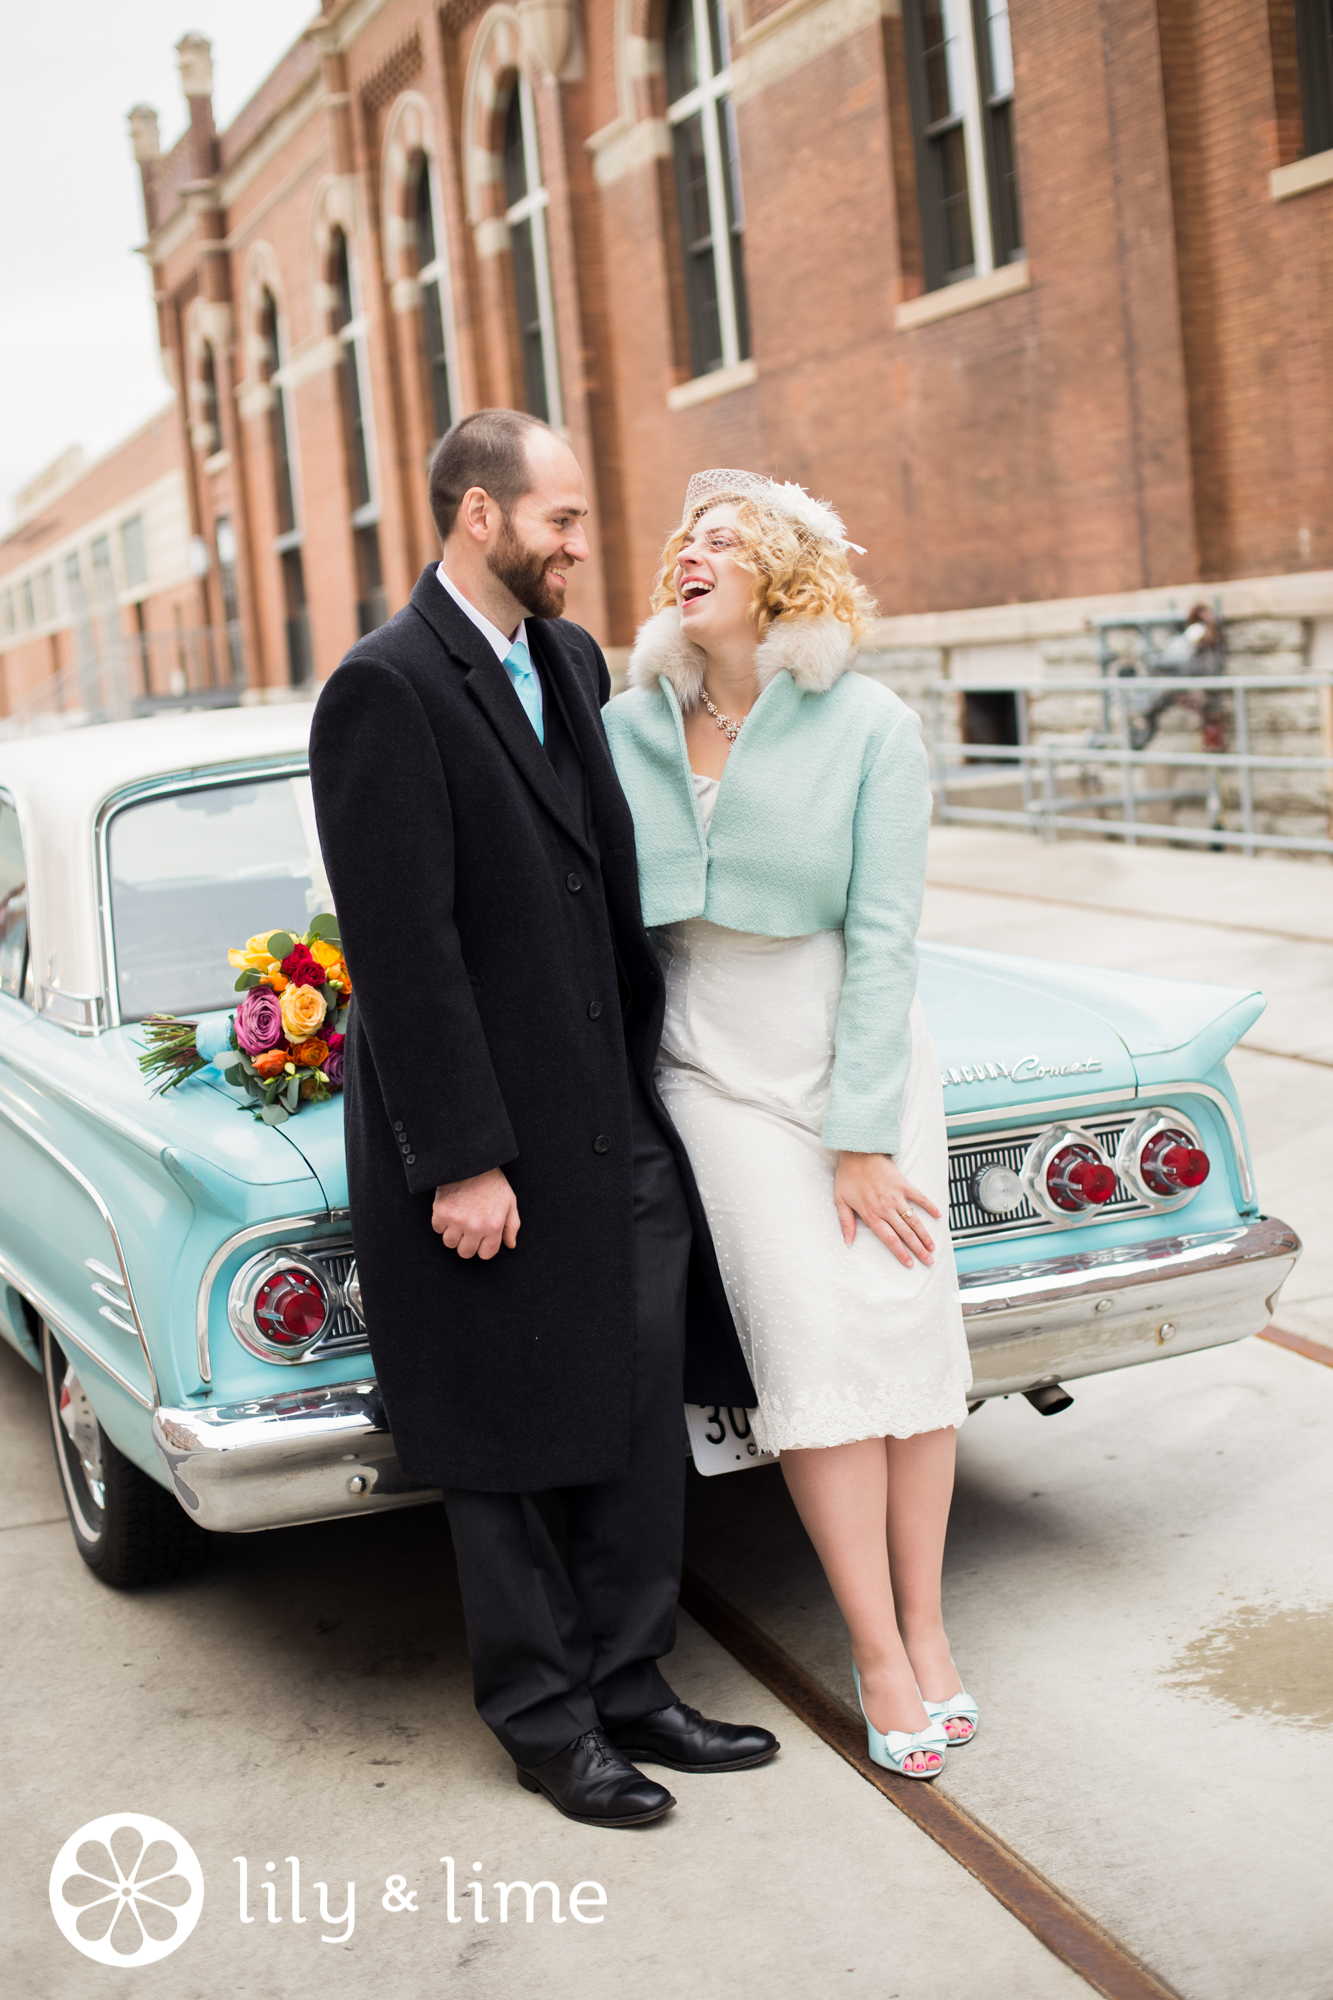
{"x": 327, "y": 954}
{"x": 254, "y": 955}
{"x": 303, "y": 1011}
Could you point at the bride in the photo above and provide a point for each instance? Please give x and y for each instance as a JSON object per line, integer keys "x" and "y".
{"x": 780, "y": 806}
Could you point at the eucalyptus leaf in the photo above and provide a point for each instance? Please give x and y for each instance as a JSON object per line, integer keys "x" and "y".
{"x": 325, "y": 926}
{"x": 273, "y": 1114}
{"x": 247, "y": 979}
{"x": 280, "y": 943}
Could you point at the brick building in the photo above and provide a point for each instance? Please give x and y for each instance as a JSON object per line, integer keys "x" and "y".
{"x": 99, "y": 597}
{"x": 1038, "y": 295}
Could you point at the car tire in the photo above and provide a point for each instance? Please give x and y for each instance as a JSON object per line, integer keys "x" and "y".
{"x": 128, "y": 1529}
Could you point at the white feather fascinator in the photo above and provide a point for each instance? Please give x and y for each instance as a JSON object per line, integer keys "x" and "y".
{"x": 820, "y": 521}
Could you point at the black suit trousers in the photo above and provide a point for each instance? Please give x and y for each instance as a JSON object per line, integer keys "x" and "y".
{"x": 561, "y": 1647}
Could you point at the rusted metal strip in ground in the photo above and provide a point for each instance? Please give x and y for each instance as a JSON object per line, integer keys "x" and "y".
{"x": 1313, "y": 1350}
{"x": 1062, "y": 1927}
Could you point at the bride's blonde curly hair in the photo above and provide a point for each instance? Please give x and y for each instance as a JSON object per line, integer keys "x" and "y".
{"x": 796, "y": 574}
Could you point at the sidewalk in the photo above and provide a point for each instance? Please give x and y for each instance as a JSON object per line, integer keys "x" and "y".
{"x": 1261, "y": 923}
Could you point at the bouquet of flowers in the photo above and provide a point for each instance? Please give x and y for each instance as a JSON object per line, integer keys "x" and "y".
{"x": 284, "y": 1043}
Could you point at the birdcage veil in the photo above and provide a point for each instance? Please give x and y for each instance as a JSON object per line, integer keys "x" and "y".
{"x": 820, "y": 521}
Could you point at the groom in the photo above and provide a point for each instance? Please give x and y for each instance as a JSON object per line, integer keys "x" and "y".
{"x": 540, "y": 1288}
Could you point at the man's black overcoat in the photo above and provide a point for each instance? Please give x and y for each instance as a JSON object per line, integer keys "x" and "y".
{"x": 481, "y": 930}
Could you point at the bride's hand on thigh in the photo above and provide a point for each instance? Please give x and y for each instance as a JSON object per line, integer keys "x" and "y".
{"x": 871, "y": 1188}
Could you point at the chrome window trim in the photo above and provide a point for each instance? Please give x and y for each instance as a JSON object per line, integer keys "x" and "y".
{"x": 1186, "y": 1087}
{"x": 15, "y": 1118}
{"x": 42, "y": 1305}
{"x": 7, "y": 799}
{"x": 193, "y": 779}
{"x": 322, "y": 1218}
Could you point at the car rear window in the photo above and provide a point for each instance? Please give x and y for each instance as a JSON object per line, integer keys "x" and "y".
{"x": 196, "y": 871}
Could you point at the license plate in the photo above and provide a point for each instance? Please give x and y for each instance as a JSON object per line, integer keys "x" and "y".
{"x": 721, "y": 1440}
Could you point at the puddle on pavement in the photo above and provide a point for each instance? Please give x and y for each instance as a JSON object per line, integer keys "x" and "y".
{"x": 1273, "y": 1663}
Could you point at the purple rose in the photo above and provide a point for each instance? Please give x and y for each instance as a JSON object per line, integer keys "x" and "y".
{"x": 258, "y": 1021}
{"x": 333, "y": 1066}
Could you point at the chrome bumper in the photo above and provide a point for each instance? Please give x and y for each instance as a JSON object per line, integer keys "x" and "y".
{"x": 323, "y": 1453}
{"x": 283, "y": 1460}
{"x": 1061, "y": 1317}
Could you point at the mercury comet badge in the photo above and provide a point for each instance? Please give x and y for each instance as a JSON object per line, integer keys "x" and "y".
{"x": 1029, "y": 1069}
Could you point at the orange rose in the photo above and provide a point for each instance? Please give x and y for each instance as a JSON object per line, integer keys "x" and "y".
{"x": 277, "y": 980}
{"x": 272, "y": 1063}
{"x": 312, "y": 1054}
{"x": 339, "y": 976}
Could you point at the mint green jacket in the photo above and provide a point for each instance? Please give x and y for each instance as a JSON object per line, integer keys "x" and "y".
{"x": 820, "y": 824}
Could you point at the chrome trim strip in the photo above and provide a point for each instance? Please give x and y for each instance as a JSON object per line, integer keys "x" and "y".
{"x": 47, "y": 1311}
{"x": 1046, "y": 1108}
{"x": 1147, "y": 1093}
{"x": 116, "y": 1299}
{"x": 101, "y": 1271}
{"x": 78, "y": 1013}
{"x": 219, "y": 1258}
{"x": 1053, "y": 1281}
{"x": 289, "y": 764}
{"x": 124, "y": 1326}
{"x": 15, "y": 1118}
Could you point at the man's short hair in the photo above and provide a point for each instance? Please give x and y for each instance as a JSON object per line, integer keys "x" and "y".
{"x": 488, "y": 449}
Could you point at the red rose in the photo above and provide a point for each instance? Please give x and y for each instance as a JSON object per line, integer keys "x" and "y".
{"x": 301, "y": 968}
{"x": 334, "y": 1041}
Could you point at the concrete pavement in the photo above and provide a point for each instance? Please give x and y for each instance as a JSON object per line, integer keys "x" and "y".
{"x": 309, "y": 1695}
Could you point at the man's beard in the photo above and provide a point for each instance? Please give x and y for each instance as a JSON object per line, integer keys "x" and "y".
{"x": 522, "y": 571}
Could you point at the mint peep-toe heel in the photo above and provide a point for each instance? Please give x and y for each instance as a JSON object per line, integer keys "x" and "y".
{"x": 959, "y": 1707}
{"x": 891, "y": 1752}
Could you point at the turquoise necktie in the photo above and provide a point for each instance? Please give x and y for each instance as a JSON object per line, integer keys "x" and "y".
{"x": 518, "y": 665}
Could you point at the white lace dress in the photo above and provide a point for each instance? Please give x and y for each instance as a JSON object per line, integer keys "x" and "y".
{"x": 842, "y": 1343}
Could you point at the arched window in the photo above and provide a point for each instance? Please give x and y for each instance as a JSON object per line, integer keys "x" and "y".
{"x": 525, "y": 213}
{"x": 708, "y": 182}
{"x": 287, "y": 542}
{"x": 371, "y": 605}
{"x": 432, "y": 278}
{"x": 210, "y": 437}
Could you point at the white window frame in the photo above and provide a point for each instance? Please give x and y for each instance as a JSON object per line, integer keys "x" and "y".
{"x": 532, "y": 208}
{"x": 353, "y": 335}
{"x": 281, "y": 379}
{"x": 710, "y": 89}
{"x": 437, "y": 273}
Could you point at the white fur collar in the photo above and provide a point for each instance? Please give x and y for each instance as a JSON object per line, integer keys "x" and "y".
{"x": 814, "y": 651}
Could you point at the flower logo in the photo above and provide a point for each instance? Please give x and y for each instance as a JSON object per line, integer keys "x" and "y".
{"x": 126, "y": 1889}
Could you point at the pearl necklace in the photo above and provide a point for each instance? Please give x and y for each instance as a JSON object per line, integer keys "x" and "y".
{"x": 731, "y": 730}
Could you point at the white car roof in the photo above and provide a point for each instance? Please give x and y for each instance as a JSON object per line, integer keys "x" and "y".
{"x": 59, "y": 782}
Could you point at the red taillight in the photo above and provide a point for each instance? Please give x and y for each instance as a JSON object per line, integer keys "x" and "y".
{"x": 290, "y": 1308}
{"x": 1171, "y": 1163}
{"x": 1077, "y": 1178}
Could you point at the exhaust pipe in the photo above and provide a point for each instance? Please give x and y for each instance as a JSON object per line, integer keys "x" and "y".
{"x": 1049, "y": 1400}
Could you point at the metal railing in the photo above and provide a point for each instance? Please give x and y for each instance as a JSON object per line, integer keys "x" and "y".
{"x": 1057, "y": 771}
{"x": 137, "y": 674}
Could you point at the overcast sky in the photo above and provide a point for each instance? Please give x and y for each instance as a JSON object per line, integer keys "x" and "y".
{"x": 78, "y": 336}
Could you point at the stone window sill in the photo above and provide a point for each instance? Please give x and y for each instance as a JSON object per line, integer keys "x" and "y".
{"x": 1316, "y": 170}
{"x": 961, "y": 298}
{"x": 704, "y": 388}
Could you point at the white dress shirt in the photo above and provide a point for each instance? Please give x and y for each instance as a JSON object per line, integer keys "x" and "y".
{"x": 492, "y": 634}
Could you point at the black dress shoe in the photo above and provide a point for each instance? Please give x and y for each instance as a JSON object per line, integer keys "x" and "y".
{"x": 684, "y": 1740}
{"x": 595, "y": 1783}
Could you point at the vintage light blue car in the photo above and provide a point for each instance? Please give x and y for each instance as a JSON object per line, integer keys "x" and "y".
{"x": 183, "y": 1274}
